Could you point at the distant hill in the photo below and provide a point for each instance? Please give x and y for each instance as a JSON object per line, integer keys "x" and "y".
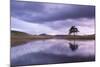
{"x": 18, "y": 33}
{"x": 18, "y": 38}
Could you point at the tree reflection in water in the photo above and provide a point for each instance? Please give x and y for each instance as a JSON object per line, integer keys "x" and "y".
{"x": 73, "y": 46}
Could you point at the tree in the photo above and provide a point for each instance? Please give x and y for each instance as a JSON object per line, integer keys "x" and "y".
{"x": 73, "y": 30}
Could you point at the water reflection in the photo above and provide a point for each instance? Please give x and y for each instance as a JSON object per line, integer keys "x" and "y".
{"x": 73, "y": 46}
{"x": 52, "y": 51}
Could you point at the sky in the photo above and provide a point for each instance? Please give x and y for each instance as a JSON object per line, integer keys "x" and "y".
{"x": 51, "y": 18}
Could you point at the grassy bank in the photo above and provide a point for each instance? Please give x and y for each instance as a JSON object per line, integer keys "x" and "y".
{"x": 20, "y": 37}
{"x": 79, "y": 37}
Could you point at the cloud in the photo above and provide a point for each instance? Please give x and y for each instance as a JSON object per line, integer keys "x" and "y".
{"x": 37, "y": 17}
{"x": 41, "y": 12}
{"x": 85, "y": 25}
{"x": 84, "y": 22}
{"x": 31, "y": 28}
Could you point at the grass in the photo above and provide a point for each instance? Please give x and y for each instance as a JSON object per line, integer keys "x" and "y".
{"x": 18, "y": 38}
{"x": 81, "y": 37}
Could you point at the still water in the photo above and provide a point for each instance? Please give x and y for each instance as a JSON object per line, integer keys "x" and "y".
{"x": 53, "y": 51}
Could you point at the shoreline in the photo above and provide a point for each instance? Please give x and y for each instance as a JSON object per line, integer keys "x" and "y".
{"x": 21, "y": 39}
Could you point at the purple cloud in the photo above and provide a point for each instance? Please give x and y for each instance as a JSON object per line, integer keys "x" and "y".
{"x": 37, "y": 18}
{"x": 41, "y": 12}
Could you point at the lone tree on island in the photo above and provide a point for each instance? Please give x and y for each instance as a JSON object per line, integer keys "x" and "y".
{"x": 73, "y": 30}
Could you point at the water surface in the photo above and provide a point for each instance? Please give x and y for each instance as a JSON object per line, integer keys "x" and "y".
{"x": 52, "y": 51}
